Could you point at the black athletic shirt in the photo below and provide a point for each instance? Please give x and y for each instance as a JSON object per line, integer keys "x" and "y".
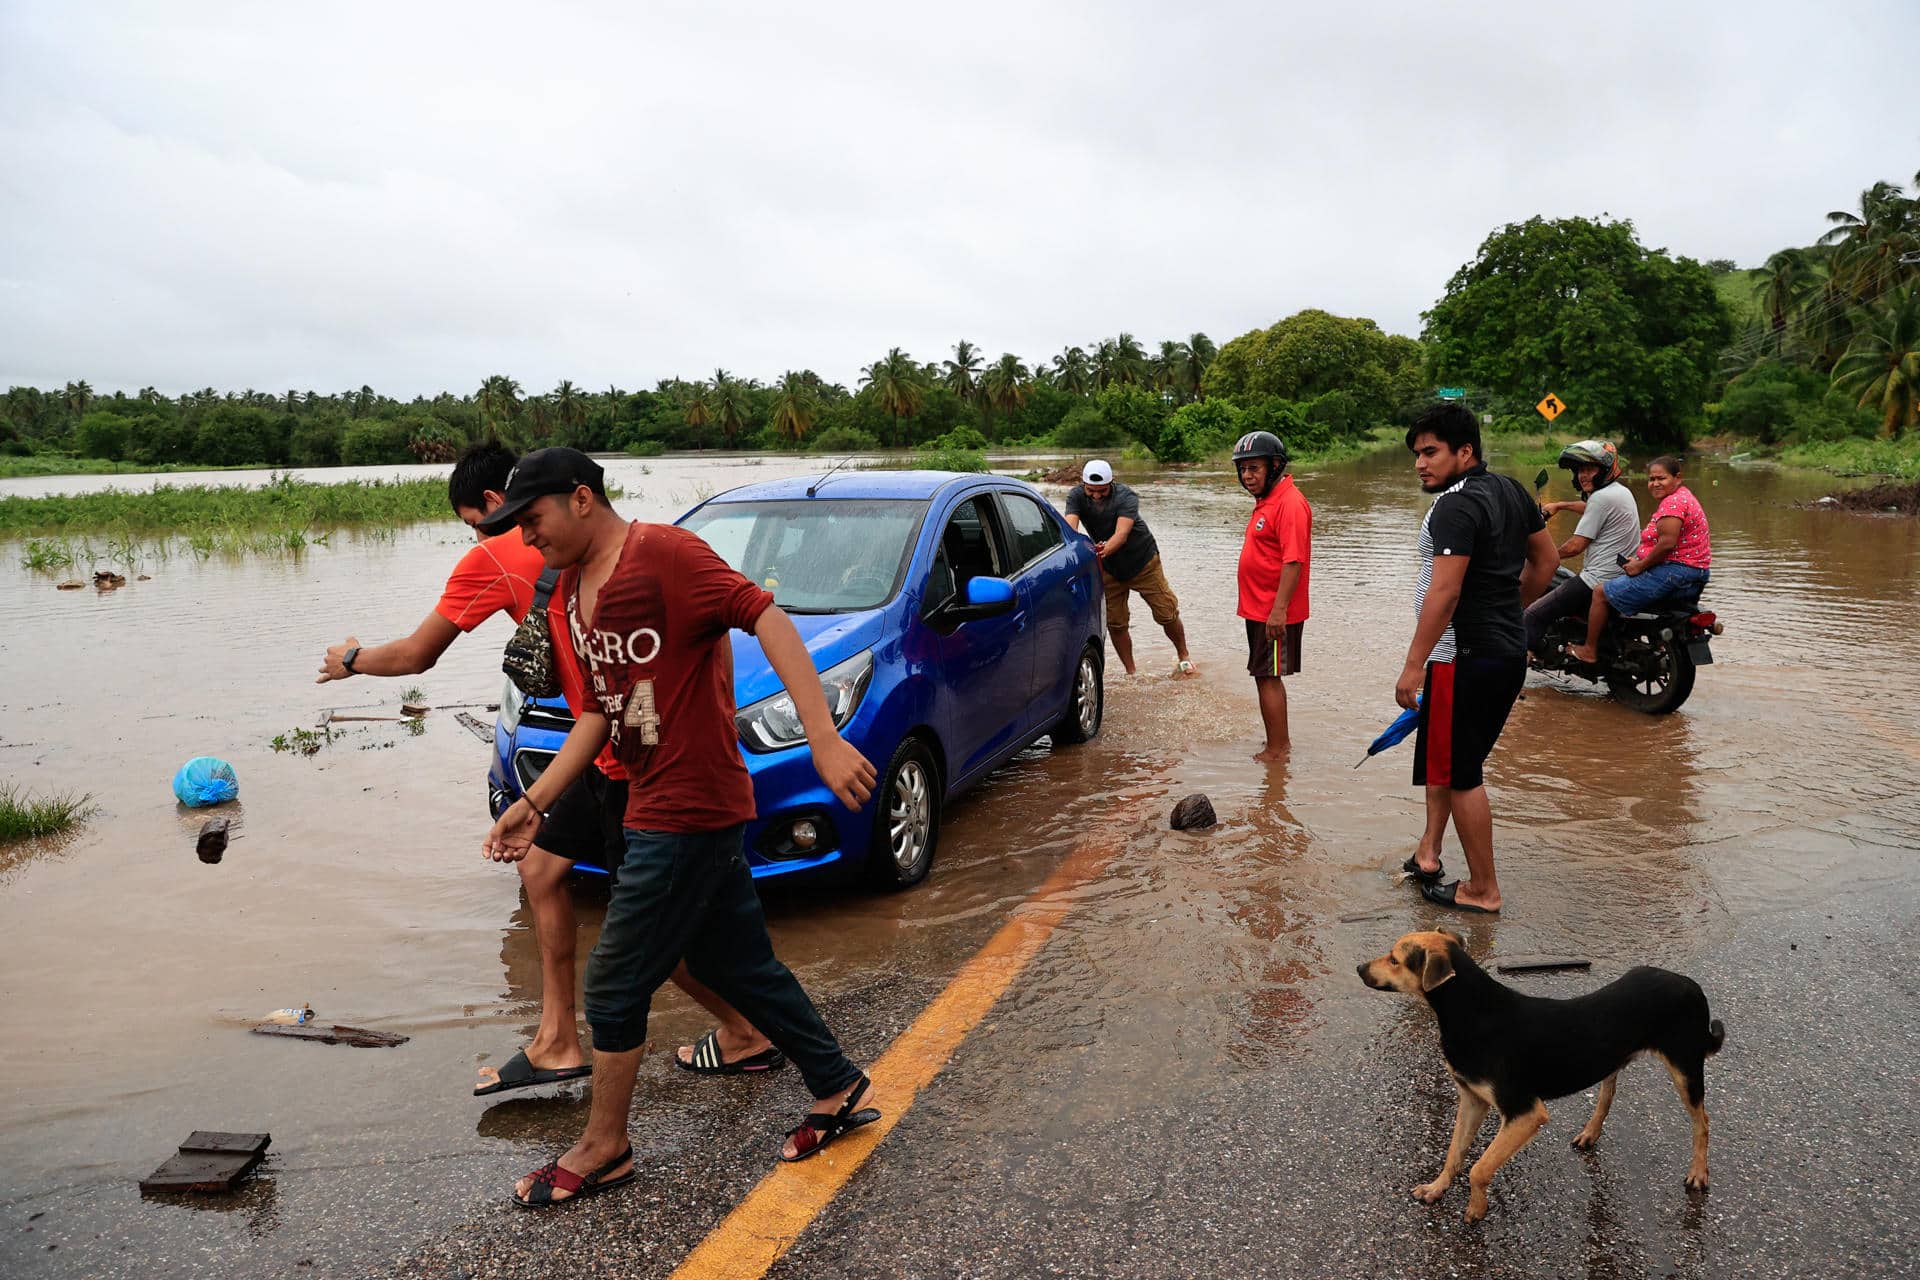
{"x": 1099, "y": 518}
{"x": 1488, "y": 518}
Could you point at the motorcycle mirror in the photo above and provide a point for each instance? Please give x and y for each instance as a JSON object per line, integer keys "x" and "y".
{"x": 1540, "y": 481}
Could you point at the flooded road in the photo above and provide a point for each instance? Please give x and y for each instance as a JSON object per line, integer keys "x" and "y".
{"x": 1186, "y": 1079}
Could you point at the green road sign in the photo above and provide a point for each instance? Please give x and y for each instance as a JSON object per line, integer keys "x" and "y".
{"x": 1451, "y": 393}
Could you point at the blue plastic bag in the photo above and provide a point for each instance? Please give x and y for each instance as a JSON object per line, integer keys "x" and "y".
{"x": 205, "y": 780}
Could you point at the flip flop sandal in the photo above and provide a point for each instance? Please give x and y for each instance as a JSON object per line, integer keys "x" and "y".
{"x": 1443, "y": 895}
{"x": 708, "y": 1062}
{"x": 1413, "y": 868}
{"x": 819, "y": 1129}
{"x": 518, "y": 1073}
{"x": 551, "y": 1177}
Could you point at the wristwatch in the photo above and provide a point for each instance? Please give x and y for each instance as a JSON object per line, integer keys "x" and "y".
{"x": 347, "y": 661}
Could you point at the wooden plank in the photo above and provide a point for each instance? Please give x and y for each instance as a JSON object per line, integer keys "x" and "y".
{"x": 358, "y": 1037}
{"x": 208, "y": 1162}
{"x": 227, "y": 1143}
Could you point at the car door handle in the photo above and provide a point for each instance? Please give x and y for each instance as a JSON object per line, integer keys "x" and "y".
{"x": 1020, "y": 620}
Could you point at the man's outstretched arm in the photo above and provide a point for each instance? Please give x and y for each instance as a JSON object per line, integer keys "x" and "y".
{"x": 407, "y": 656}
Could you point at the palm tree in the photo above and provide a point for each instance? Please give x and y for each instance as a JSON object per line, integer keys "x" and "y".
{"x": 1130, "y": 360}
{"x": 1869, "y": 244}
{"x": 499, "y": 403}
{"x": 796, "y": 404}
{"x": 1200, "y": 353}
{"x": 730, "y": 404}
{"x": 1782, "y": 286}
{"x": 79, "y": 395}
{"x": 1106, "y": 364}
{"x": 1072, "y": 373}
{"x": 696, "y": 408}
{"x": 1164, "y": 370}
{"x": 1881, "y": 367}
{"x": 962, "y": 373}
{"x": 1005, "y": 386}
{"x": 570, "y": 407}
{"x": 895, "y": 383}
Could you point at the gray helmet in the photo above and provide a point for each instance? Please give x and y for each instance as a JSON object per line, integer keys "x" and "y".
{"x": 1261, "y": 444}
{"x": 1593, "y": 453}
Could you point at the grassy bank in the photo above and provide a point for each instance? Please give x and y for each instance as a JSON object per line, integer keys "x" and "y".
{"x": 22, "y": 817}
{"x": 60, "y": 464}
{"x": 283, "y": 503}
{"x": 1896, "y": 459}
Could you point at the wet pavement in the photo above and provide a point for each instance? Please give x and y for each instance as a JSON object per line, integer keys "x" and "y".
{"x": 1187, "y": 1078}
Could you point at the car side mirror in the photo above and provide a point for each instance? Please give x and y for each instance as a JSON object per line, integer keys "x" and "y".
{"x": 983, "y": 597}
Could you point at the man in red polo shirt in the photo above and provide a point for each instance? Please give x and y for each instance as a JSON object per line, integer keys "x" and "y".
{"x": 1275, "y": 562}
{"x": 501, "y": 574}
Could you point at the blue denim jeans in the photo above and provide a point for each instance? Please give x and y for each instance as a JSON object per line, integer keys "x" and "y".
{"x": 1640, "y": 593}
{"x": 689, "y": 895}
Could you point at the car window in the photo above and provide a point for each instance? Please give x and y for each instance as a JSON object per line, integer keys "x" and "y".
{"x": 968, "y": 549}
{"x": 1031, "y": 533}
{"x": 816, "y": 555}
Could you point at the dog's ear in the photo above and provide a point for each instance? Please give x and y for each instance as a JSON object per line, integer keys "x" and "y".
{"x": 1437, "y": 968}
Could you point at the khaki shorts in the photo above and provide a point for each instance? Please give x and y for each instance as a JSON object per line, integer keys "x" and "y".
{"x": 1151, "y": 583}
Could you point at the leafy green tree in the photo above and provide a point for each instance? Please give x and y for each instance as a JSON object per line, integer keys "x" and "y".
{"x": 102, "y": 435}
{"x": 1626, "y": 336}
{"x": 796, "y": 404}
{"x": 499, "y": 405}
{"x": 1004, "y": 388}
{"x": 1073, "y": 373}
{"x": 962, "y": 373}
{"x": 1138, "y": 413}
{"x": 1881, "y": 367}
{"x": 895, "y": 385}
{"x": 1869, "y": 244}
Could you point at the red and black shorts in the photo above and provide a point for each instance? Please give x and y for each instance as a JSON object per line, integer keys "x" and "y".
{"x": 1462, "y": 712}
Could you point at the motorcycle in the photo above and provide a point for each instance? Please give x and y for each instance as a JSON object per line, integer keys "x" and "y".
{"x": 1648, "y": 660}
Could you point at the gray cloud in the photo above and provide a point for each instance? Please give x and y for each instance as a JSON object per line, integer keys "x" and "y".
{"x": 417, "y": 196}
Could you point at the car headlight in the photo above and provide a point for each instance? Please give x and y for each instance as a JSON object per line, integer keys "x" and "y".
{"x": 772, "y": 724}
{"x": 512, "y": 702}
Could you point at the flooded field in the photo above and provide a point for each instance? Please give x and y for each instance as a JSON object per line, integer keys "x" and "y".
{"x": 129, "y": 970}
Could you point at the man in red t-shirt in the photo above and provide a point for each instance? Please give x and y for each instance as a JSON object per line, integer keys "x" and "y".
{"x": 650, "y": 608}
{"x": 501, "y": 575}
{"x": 1275, "y": 562}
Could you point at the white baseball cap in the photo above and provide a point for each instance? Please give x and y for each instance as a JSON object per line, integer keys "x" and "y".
{"x": 1096, "y": 472}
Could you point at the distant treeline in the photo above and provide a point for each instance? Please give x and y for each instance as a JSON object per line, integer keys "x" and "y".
{"x": 1315, "y": 377}
{"x": 1828, "y": 346}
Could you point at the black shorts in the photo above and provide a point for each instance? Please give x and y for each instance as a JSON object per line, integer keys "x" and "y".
{"x": 1273, "y": 657}
{"x": 585, "y": 821}
{"x": 1461, "y": 714}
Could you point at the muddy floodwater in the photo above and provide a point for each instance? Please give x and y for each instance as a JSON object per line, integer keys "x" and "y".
{"x": 130, "y": 970}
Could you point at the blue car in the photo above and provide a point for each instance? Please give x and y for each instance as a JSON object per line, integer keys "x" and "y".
{"x": 954, "y": 619}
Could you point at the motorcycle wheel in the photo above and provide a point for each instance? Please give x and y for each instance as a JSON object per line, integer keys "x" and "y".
{"x": 1661, "y": 687}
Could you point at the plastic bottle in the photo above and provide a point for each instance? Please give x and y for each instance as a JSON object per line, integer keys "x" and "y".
{"x": 299, "y": 1017}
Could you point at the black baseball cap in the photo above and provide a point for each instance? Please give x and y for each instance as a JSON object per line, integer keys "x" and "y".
{"x": 544, "y": 471}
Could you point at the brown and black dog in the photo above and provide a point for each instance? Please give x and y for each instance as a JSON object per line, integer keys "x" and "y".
{"x": 1512, "y": 1051}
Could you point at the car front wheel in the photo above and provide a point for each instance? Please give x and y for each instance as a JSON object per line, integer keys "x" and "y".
{"x": 906, "y": 823}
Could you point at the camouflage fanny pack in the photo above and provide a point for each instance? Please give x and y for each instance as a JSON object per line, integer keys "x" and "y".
{"x": 528, "y": 660}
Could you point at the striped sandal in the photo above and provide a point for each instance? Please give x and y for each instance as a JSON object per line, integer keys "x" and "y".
{"x": 706, "y": 1060}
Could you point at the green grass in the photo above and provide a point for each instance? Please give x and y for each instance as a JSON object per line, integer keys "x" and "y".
{"x": 1736, "y": 292}
{"x": 283, "y": 503}
{"x": 1899, "y": 459}
{"x": 61, "y": 464}
{"x": 23, "y": 818}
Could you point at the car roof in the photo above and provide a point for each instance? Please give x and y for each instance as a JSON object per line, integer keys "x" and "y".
{"x": 843, "y": 485}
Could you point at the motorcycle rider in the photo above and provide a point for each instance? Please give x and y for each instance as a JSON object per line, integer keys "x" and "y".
{"x": 1609, "y": 524}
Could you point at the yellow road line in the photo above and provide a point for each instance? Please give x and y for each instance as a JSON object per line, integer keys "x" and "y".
{"x": 764, "y": 1226}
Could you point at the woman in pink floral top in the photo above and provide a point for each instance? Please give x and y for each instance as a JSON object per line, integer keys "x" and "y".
{"x": 1676, "y": 552}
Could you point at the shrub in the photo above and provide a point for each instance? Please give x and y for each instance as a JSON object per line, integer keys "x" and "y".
{"x": 374, "y": 442}
{"x": 645, "y": 448}
{"x": 845, "y": 440}
{"x": 951, "y": 460}
{"x": 102, "y": 435}
{"x": 315, "y": 442}
{"x": 961, "y": 437}
{"x": 1830, "y": 419}
{"x": 1760, "y": 403}
{"x": 1203, "y": 428}
{"x": 1086, "y": 428}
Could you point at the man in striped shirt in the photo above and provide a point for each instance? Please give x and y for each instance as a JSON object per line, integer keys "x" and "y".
{"x": 1485, "y": 554}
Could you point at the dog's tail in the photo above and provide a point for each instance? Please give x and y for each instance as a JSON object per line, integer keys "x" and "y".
{"x": 1716, "y": 1036}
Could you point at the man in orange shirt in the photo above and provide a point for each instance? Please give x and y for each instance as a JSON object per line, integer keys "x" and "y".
{"x": 502, "y": 574}
{"x": 1275, "y": 562}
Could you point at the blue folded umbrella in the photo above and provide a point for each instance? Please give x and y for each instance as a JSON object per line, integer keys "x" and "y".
{"x": 1391, "y": 736}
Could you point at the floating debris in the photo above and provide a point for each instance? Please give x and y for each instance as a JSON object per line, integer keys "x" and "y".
{"x": 107, "y": 580}
{"x": 358, "y": 1037}
{"x": 209, "y": 1162}
{"x": 212, "y": 845}
{"x": 1194, "y": 813}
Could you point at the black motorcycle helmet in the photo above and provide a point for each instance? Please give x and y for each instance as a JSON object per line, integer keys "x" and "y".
{"x": 1262, "y": 444}
{"x": 1593, "y": 453}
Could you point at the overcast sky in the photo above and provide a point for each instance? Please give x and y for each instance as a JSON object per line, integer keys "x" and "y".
{"x": 415, "y": 196}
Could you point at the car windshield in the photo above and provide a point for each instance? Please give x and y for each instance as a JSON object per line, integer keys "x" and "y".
{"x": 817, "y": 555}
